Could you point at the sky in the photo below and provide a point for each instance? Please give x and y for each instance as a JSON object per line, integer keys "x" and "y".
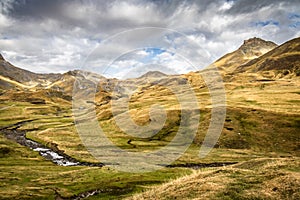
{"x": 117, "y": 38}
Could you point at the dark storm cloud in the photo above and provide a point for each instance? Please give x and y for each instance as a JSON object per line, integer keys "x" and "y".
{"x": 249, "y": 6}
{"x": 54, "y": 9}
{"x": 36, "y": 9}
{"x": 90, "y": 16}
{"x": 169, "y": 6}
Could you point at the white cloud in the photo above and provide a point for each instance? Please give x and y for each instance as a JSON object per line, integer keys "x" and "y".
{"x": 139, "y": 13}
{"x": 57, "y": 36}
{"x": 4, "y": 21}
{"x": 142, "y": 53}
{"x": 226, "y": 5}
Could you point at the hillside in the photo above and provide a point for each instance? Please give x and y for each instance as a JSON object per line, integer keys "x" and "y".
{"x": 249, "y": 50}
{"x": 260, "y": 131}
{"x": 13, "y": 76}
{"x": 153, "y": 74}
{"x": 255, "y": 179}
{"x": 284, "y": 59}
{"x": 262, "y": 84}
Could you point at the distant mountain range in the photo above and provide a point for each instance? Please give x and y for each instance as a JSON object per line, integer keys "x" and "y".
{"x": 254, "y": 60}
{"x": 262, "y": 86}
{"x": 254, "y": 55}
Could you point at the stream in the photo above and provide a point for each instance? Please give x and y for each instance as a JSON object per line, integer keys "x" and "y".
{"x": 53, "y": 154}
{"x": 60, "y": 158}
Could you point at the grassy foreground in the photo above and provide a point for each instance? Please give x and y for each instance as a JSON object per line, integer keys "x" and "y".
{"x": 256, "y": 179}
{"x": 262, "y": 125}
{"x": 27, "y": 175}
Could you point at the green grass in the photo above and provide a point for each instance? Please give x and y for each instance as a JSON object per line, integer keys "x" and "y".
{"x": 260, "y": 123}
{"x": 25, "y": 174}
{"x": 294, "y": 101}
{"x": 242, "y": 182}
{"x": 42, "y": 175}
{"x": 261, "y": 178}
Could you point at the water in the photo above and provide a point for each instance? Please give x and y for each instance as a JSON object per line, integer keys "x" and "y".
{"x": 55, "y": 157}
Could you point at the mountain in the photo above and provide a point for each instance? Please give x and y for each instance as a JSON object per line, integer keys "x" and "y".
{"x": 218, "y": 183}
{"x": 254, "y": 56}
{"x": 243, "y": 59}
{"x": 66, "y": 81}
{"x": 260, "y": 132}
{"x": 250, "y": 49}
{"x": 13, "y": 76}
{"x": 284, "y": 58}
{"x": 153, "y": 74}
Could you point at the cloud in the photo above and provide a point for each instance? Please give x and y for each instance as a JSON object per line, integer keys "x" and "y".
{"x": 57, "y": 36}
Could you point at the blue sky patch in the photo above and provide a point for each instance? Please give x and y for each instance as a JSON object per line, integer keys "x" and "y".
{"x": 154, "y": 51}
{"x": 295, "y": 20}
{"x": 295, "y": 24}
{"x": 293, "y": 16}
{"x": 266, "y": 23}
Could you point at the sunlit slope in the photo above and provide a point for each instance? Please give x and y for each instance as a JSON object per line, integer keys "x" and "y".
{"x": 284, "y": 60}
{"x": 262, "y": 120}
{"x": 249, "y": 50}
{"x": 262, "y": 115}
{"x": 255, "y": 179}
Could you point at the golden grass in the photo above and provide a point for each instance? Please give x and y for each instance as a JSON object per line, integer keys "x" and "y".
{"x": 255, "y": 179}
{"x": 262, "y": 121}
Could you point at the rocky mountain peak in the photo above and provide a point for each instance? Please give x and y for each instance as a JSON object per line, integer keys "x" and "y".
{"x": 257, "y": 43}
{"x": 153, "y": 74}
{"x": 255, "y": 47}
{"x": 1, "y": 57}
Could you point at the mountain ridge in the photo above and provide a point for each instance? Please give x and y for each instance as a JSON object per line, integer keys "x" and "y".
{"x": 262, "y": 121}
{"x": 250, "y": 49}
{"x": 234, "y": 62}
{"x": 280, "y": 58}
{"x": 25, "y": 77}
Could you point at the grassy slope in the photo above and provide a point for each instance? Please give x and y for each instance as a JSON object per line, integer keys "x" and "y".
{"x": 263, "y": 133}
{"x": 26, "y": 175}
{"x": 256, "y": 179}
{"x": 262, "y": 121}
{"x": 262, "y": 116}
{"x": 283, "y": 58}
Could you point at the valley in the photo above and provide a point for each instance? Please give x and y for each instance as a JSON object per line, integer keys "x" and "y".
{"x": 256, "y": 156}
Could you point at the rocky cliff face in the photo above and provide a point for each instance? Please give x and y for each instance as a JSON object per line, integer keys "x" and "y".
{"x": 255, "y": 47}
